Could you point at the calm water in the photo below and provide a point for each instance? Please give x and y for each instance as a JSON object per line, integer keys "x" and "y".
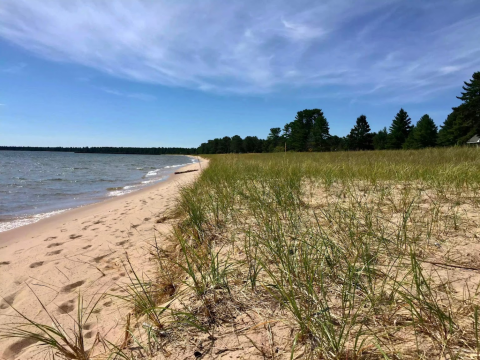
{"x": 35, "y": 185}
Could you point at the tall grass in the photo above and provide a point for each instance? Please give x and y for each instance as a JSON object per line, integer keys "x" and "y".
{"x": 338, "y": 240}
{"x": 56, "y": 339}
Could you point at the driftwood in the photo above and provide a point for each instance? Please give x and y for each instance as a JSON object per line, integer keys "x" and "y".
{"x": 183, "y": 172}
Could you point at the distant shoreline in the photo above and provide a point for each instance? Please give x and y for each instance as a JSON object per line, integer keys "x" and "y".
{"x": 113, "y": 150}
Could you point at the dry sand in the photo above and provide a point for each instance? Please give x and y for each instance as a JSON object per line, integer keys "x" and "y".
{"x": 82, "y": 250}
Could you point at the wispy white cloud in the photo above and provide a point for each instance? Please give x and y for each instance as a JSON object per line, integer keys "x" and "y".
{"x": 392, "y": 48}
{"x": 138, "y": 96}
{"x": 13, "y": 69}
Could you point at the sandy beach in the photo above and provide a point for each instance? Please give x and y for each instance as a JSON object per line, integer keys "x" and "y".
{"x": 82, "y": 250}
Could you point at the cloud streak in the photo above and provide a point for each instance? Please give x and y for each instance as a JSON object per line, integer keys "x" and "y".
{"x": 14, "y": 69}
{"x": 138, "y": 96}
{"x": 358, "y": 47}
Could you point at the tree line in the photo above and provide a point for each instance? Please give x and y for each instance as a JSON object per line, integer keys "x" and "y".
{"x": 310, "y": 131}
{"x": 108, "y": 150}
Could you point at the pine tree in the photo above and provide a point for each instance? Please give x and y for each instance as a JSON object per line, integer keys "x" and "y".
{"x": 399, "y": 130}
{"x": 236, "y": 146}
{"x": 470, "y": 107}
{"x": 423, "y": 135}
{"x": 297, "y": 132}
{"x": 380, "y": 139}
{"x": 410, "y": 143}
{"x": 360, "y": 137}
{"x": 321, "y": 132}
{"x": 425, "y": 132}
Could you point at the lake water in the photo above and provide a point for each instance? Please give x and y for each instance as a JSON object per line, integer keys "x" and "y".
{"x": 35, "y": 185}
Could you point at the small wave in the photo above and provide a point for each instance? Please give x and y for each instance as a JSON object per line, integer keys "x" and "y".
{"x": 26, "y": 220}
{"x": 152, "y": 173}
{"x": 115, "y": 188}
{"x": 119, "y": 192}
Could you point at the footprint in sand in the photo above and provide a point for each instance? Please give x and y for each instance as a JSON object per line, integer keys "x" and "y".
{"x": 73, "y": 236}
{"x": 66, "y": 308}
{"x": 17, "y": 347}
{"x": 68, "y": 288}
{"x": 50, "y": 238}
{"x": 4, "y": 263}
{"x": 86, "y": 247}
{"x": 56, "y": 252}
{"x": 7, "y": 301}
{"x": 36, "y": 264}
{"x": 107, "y": 304}
{"x": 100, "y": 258}
{"x": 121, "y": 243}
{"x": 54, "y": 244}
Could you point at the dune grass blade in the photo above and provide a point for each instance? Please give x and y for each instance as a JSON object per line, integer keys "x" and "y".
{"x": 66, "y": 344}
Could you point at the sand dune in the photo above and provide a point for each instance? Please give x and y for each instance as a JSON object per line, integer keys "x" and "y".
{"x": 81, "y": 250}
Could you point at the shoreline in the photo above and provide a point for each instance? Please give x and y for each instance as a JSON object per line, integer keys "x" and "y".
{"x": 83, "y": 251}
{"x": 6, "y": 237}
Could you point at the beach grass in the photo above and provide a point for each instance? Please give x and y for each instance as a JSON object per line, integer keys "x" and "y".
{"x": 353, "y": 252}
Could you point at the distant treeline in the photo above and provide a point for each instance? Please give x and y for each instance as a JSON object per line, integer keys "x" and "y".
{"x": 310, "y": 131}
{"x": 108, "y": 150}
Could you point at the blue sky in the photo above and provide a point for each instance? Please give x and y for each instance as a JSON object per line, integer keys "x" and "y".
{"x": 177, "y": 73}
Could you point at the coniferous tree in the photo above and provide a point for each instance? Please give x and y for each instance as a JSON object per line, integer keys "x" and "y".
{"x": 297, "y": 132}
{"x": 336, "y": 143}
{"x": 399, "y": 130}
{"x": 470, "y": 108}
{"x": 360, "y": 137}
{"x": 273, "y": 139}
{"x": 321, "y": 131}
{"x": 448, "y": 134}
{"x": 425, "y": 133}
{"x": 236, "y": 145}
{"x": 380, "y": 139}
{"x": 311, "y": 144}
{"x": 410, "y": 143}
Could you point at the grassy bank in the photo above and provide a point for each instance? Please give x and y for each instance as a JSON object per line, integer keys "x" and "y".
{"x": 358, "y": 255}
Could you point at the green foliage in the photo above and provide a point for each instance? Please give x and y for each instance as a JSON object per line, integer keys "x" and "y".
{"x": 423, "y": 135}
{"x": 236, "y": 144}
{"x": 380, "y": 139}
{"x": 308, "y": 132}
{"x": 470, "y": 107}
{"x": 360, "y": 137}
{"x": 274, "y": 139}
{"x": 399, "y": 130}
{"x": 464, "y": 121}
